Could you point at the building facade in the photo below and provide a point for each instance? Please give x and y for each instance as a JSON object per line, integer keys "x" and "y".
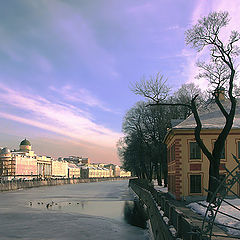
{"x": 24, "y": 163}
{"x": 187, "y": 166}
{"x": 59, "y": 169}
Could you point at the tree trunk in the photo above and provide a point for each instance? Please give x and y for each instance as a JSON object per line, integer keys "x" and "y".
{"x": 158, "y": 173}
{"x": 164, "y": 164}
{"x": 213, "y": 181}
{"x": 159, "y": 176}
{"x": 150, "y": 172}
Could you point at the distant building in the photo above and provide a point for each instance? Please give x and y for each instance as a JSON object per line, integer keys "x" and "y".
{"x": 94, "y": 172}
{"x": 73, "y": 171}
{"x": 24, "y": 163}
{"x": 123, "y": 173}
{"x": 102, "y": 170}
{"x": 59, "y": 169}
{"x": 116, "y": 171}
{"x": 76, "y": 160}
{"x": 85, "y": 160}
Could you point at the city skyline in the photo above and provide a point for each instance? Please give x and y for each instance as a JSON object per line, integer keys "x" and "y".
{"x": 66, "y": 67}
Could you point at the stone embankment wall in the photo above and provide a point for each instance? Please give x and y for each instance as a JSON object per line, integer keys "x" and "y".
{"x": 169, "y": 219}
{"x": 17, "y": 184}
{"x": 167, "y": 222}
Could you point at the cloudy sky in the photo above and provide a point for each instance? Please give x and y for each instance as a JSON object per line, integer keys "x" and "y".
{"x": 66, "y": 67}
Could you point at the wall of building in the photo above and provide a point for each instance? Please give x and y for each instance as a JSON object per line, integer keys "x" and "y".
{"x": 125, "y": 174}
{"x": 25, "y": 166}
{"x": 59, "y": 169}
{"x": 74, "y": 172}
{"x": 181, "y": 167}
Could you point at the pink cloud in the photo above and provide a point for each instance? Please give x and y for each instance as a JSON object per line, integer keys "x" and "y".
{"x": 80, "y": 95}
{"x": 57, "y": 118}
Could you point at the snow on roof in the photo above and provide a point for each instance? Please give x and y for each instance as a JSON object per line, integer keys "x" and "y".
{"x": 211, "y": 117}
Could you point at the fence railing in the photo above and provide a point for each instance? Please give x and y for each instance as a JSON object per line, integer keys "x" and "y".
{"x": 167, "y": 221}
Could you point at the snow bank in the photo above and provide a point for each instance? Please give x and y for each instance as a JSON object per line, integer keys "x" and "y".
{"x": 221, "y": 218}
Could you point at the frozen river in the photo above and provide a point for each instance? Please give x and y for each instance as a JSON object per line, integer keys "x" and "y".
{"x": 82, "y": 211}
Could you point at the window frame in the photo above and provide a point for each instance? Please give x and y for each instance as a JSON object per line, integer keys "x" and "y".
{"x": 190, "y": 185}
{"x": 195, "y": 148}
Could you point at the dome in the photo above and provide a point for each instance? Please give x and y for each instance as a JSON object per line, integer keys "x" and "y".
{"x": 5, "y": 151}
{"x": 25, "y": 142}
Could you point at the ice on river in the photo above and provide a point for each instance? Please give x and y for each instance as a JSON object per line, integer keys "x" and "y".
{"x": 83, "y": 211}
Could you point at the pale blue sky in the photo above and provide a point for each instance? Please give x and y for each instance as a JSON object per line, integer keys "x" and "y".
{"x": 66, "y": 66}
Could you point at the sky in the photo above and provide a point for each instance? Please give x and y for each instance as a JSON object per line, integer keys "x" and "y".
{"x": 66, "y": 67}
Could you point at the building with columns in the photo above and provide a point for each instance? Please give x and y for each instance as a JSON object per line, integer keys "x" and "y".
{"x": 24, "y": 163}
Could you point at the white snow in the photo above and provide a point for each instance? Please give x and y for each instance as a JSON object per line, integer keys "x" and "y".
{"x": 173, "y": 230}
{"x": 220, "y": 218}
{"x": 160, "y": 188}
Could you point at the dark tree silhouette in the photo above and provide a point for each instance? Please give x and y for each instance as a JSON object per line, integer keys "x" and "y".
{"x": 220, "y": 72}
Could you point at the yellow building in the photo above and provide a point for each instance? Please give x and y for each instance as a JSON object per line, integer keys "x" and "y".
{"x": 125, "y": 174}
{"x": 59, "y": 169}
{"x": 73, "y": 171}
{"x": 187, "y": 165}
{"x": 95, "y": 172}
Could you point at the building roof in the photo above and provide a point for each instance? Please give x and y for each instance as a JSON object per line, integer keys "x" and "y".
{"x": 5, "y": 150}
{"x": 211, "y": 117}
{"x": 25, "y": 142}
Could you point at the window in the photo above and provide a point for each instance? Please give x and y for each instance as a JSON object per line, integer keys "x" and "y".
{"x": 195, "y": 152}
{"x": 195, "y": 184}
{"x": 171, "y": 154}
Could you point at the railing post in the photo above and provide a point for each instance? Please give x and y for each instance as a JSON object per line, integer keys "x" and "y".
{"x": 179, "y": 225}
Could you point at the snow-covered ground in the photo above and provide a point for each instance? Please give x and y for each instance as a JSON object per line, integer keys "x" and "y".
{"x": 160, "y": 188}
{"x": 220, "y": 218}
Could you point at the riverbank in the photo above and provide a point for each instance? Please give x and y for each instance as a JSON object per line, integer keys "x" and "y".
{"x": 17, "y": 184}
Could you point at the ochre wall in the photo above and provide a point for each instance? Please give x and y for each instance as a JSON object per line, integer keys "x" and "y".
{"x": 182, "y": 167}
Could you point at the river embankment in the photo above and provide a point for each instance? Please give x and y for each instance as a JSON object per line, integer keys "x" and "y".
{"x": 19, "y": 184}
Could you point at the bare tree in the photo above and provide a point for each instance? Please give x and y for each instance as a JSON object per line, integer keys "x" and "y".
{"x": 155, "y": 88}
{"x": 184, "y": 95}
{"x": 147, "y": 126}
{"x": 220, "y": 72}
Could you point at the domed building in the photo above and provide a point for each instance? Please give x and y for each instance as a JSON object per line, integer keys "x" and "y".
{"x": 24, "y": 163}
{"x": 25, "y": 146}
